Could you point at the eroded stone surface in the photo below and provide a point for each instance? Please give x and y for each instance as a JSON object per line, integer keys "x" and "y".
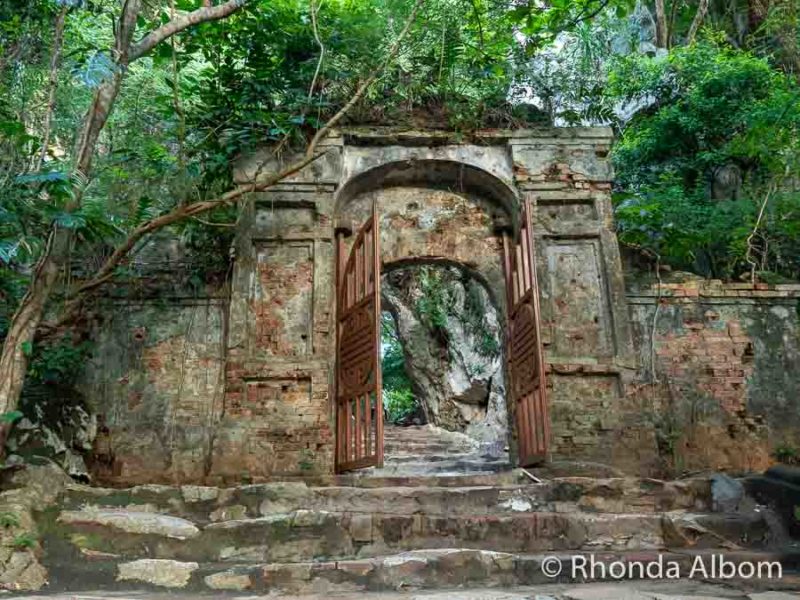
{"x": 163, "y": 573}
{"x": 129, "y": 521}
{"x": 228, "y": 580}
{"x": 22, "y": 571}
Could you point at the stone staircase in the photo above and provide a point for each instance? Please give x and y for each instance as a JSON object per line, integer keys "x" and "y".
{"x": 429, "y": 450}
{"x": 381, "y": 532}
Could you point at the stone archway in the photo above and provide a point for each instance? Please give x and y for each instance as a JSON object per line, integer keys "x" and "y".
{"x": 451, "y": 217}
{"x": 452, "y": 335}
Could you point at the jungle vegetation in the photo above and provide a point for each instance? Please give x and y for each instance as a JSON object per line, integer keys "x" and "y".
{"x": 120, "y": 119}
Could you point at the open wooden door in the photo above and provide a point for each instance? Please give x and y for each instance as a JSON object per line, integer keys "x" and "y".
{"x": 524, "y": 353}
{"x": 359, "y": 406}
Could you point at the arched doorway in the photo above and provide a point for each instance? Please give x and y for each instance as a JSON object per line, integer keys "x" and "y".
{"x": 436, "y": 212}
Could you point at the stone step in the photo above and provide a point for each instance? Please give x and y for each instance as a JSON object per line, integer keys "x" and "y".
{"x": 203, "y": 505}
{"x": 465, "y": 466}
{"x": 304, "y": 535}
{"x": 445, "y": 568}
{"x": 452, "y": 457}
{"x": 423, "y": 450}
{"x": 368, "y": 479}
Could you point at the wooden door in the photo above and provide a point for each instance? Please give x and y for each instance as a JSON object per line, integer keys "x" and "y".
{"x": 359, "y": 406}
{"x": 524, "y": 352}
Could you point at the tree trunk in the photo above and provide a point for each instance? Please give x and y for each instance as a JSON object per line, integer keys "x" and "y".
{"x": 698, "y": 21}
{"x": 22, "y": 329}
{"x": 19, "y": 341}
{"x": 661, "y": 24}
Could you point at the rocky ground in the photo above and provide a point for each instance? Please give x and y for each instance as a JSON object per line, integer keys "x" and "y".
{"x": 675, "y": 590}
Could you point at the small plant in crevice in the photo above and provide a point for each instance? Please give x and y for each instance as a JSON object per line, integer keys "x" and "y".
{"x": 306, "y": 460}
{"x": 473, "y": 317}
{"x": 9, "y": 519}
{"x": 24, "y": 541}
{"x": 436, "y": 300}
{"x": 787, "y": 454}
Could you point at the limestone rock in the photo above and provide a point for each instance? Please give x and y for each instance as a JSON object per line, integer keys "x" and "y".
{"x": 23, "y": 572}
{"x": 229, "y": 580}
{"x": 199, "y": 493}
{"x": 160, "y": 572}
{"x": 38, "y": 485}
{"x": 236, "y": 512}
{"x": 130, "y": 521}
{"x": 726, "y": 492}
{"x": 455, "y": 364}
{"x": 283, "y": 497}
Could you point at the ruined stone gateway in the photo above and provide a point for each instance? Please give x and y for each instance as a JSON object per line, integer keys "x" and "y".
{"x": 257, "y": 401}
{"x": 241, "y": 385}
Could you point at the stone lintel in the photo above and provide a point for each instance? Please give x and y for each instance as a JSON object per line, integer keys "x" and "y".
{"x": 394, "y": 136}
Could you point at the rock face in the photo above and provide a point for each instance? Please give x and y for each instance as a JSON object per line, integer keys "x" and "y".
{"x": 452, "y": 341}
{"x": 32, "y": 488}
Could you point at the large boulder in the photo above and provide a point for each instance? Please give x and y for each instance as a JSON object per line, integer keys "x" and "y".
{"x": 779, "y": 488}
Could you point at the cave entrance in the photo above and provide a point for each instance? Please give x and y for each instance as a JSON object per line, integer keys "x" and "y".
{"x": 445, "y": 319}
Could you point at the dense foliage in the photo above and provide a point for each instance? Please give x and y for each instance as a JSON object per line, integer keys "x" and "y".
{"x": 718, "y": 138}
{"x": 399, "y": 401}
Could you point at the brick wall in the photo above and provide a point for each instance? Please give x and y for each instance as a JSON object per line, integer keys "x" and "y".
{"x": 721, "y": 365}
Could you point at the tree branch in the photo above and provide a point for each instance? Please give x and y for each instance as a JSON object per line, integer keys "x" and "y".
{"x": 201, "y": 15}
{"x": 106, "y": 271}
{"x": 750, "y": 247}
{"x": 258, "y": 184}
{"x": 314, "y": 10}
{"x": 697, "y": 21}
{"x": 55, "y": 59}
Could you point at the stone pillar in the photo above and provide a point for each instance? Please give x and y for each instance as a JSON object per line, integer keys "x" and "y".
{"x": 567, "y": 176}
{"x": 280, "y": 335}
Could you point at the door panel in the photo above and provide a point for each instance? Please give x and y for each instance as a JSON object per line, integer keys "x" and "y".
{"x": 359, "y": 412}
{"x": 524, "y": 353}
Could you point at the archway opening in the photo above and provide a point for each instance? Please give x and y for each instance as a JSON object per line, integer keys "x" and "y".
{"x": 443, "y": 263}
{"x": 442, "y": 364}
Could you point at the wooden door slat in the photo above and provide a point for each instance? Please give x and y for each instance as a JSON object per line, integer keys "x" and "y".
{"x": 528, "y": 393}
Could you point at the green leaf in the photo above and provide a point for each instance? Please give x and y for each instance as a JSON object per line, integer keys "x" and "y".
{"x": 10, "y": 417}
{"x": 69, "y": 220}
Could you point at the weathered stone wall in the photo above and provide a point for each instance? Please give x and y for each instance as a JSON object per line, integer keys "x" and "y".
{"x": 588, "y": 349}
{"x": 440, "y": 198}
{"x": 280, "y": 349}
{"x": 726, "y": 359}
{"x": 155, "y": 383}
{"x": 240, "y": 387}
